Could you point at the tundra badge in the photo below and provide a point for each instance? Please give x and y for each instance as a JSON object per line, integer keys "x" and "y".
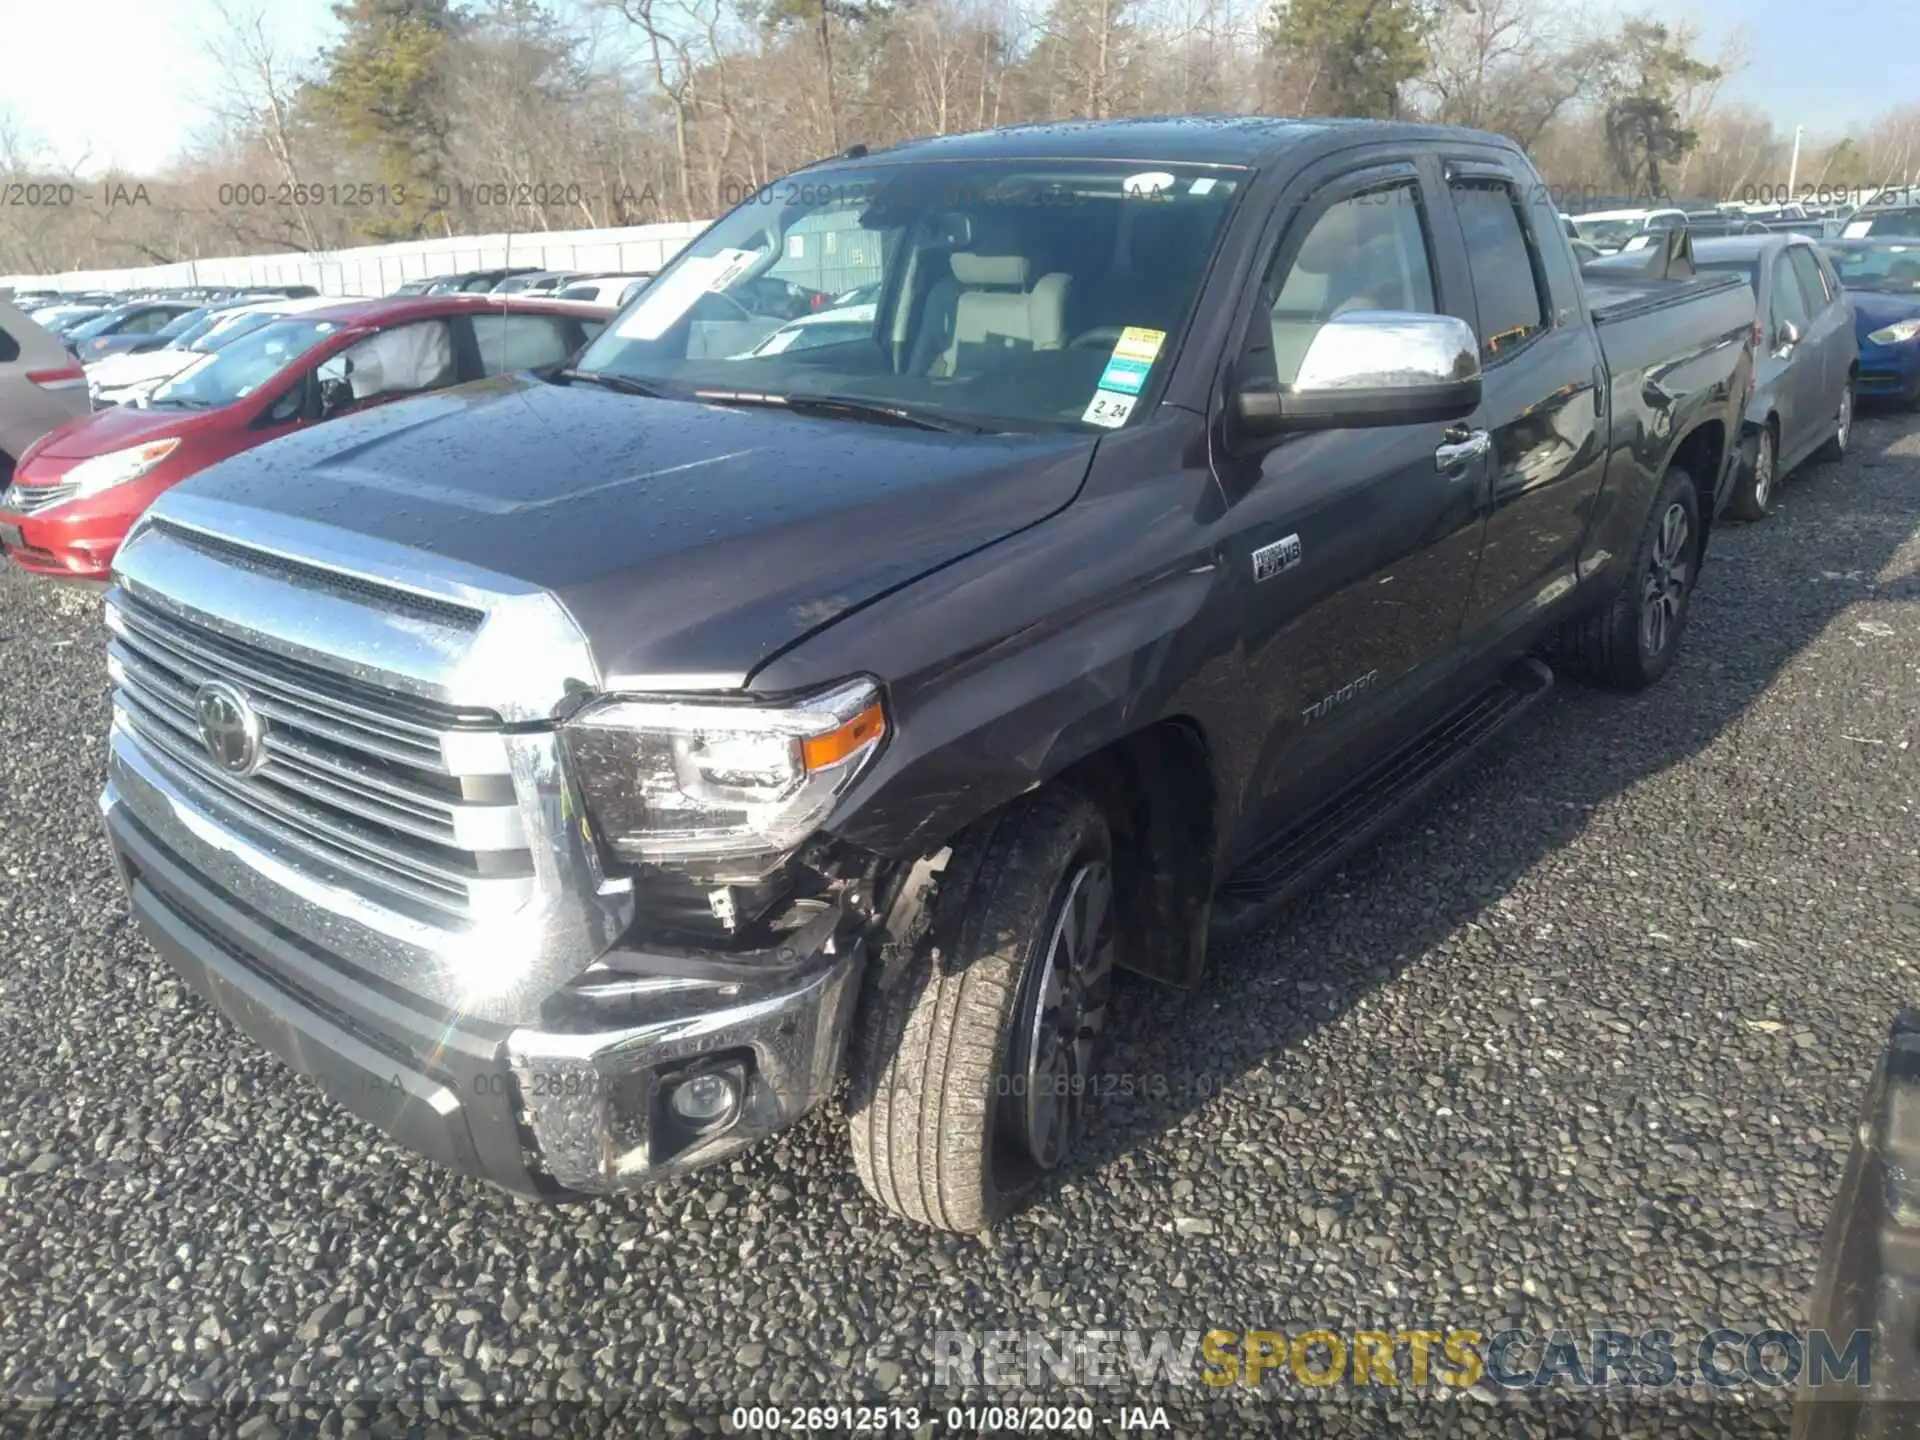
{"x": 1270, "y": 560}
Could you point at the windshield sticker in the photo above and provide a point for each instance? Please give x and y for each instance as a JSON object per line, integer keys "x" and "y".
{"x": 1109, "y": 408}
{"x": 1856, "y": 230}
{"x": 1150, "y": 184}
{"x": 1133, "y": 356}
{"x": 1202, "y": 186}
{"x": 667, "y": 300}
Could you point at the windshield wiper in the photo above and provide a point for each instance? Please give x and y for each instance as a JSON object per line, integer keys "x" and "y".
{"x": 621, "y": 383}
{"x": 843, "y": 405}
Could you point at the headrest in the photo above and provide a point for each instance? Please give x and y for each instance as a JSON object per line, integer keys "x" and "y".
{"x": 970, "y": 268}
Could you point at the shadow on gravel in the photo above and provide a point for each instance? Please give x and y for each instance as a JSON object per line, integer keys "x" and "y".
{"x": 1767, "y": 591}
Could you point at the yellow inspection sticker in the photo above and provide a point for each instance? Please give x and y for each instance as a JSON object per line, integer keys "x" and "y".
{"x": 1138, "y": 344}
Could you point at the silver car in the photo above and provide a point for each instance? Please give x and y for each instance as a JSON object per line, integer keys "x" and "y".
{"x": 1806, "y": 361}
{"x": 41, "y": 386}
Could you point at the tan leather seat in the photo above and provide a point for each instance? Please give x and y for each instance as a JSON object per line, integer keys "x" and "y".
{"x": 997, "y": 309}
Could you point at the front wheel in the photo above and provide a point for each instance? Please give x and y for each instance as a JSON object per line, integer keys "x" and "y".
{"x": 1632, "y": 642}
{"x": 973, "y": 1070}
{"x": 1753, "y": 496}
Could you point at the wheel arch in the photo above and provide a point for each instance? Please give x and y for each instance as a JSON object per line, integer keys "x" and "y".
{"x": 1702, "y": 453}
{"x": 1156, "y": 789}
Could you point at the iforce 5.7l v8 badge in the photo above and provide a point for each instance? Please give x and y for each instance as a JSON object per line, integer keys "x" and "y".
{"x": 1270, "y": 560}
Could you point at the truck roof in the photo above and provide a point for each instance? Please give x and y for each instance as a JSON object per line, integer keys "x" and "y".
{"x": 1243, "y": 140}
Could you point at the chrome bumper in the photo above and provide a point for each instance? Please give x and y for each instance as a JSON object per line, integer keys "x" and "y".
{"x": 576, "y": 1107}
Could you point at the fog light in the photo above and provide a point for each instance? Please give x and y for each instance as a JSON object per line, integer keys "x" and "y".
{"x": 708, "y": 1100}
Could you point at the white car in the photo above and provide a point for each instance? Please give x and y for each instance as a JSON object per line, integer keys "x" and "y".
{"x": 129, "y": 379}
{"x": 604, "y": 289}
{"x": 1610, "y": 230}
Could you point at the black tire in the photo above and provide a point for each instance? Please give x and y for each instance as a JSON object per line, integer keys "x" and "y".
{"x": 1757, "y": 490}
{"x": 939, "y": 1111}
{"x": 1835, "y": 450}
{"x": 1614, "y": 646}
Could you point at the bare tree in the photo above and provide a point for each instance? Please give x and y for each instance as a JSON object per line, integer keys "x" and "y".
{"x": 257, "y": 88}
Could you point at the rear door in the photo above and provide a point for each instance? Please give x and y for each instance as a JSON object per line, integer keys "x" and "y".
{"x": 1352, "y": 549}
{"x": 1542, "y": 402}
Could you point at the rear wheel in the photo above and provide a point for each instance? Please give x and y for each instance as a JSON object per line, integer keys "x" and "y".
{"x": 1753, "y": 496}
{"x": 972, "y": 1072}
{"x": 1835, "y": 450}
{"x": 1632, "y": 642}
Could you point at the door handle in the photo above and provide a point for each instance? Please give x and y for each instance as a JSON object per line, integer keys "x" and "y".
{"x": 1461, "y": 445}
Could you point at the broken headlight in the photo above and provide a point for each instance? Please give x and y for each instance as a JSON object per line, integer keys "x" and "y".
{"x": 678, "y": 781}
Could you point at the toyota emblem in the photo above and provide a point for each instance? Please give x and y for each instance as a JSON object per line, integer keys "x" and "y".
{"x": 230, "y": 728}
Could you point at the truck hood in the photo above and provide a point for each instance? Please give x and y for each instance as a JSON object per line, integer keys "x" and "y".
{"x": 684, "y": 538}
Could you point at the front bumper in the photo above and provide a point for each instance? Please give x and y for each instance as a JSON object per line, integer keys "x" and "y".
{"x": 575, "y": 1107}
{"x": 1889, "y": 371}
{"x": 71, "y": 546}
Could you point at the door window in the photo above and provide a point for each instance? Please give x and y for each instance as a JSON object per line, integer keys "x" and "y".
{"x": 521, "y": 342}
{"x": 399, "y": 361}
{"x": 1506, "y": 281}
{"x": 1813, "y": 285}
{"x": 1366, "y": 252}
{"x": 1788, "y": 305}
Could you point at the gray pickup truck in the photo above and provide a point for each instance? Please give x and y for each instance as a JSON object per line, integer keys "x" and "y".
{"x": 967, "y": 569}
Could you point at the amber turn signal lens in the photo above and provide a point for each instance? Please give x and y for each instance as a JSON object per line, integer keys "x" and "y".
{"x": 821, "y": 751}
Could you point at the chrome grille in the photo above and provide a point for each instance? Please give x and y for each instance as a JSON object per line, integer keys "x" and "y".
{"x": 409, "y": 804}
{"x": 32, "y": 499}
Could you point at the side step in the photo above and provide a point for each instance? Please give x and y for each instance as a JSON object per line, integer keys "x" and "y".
{"x": 1297, "y": 857}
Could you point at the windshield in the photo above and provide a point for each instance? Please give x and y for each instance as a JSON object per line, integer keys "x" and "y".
{"x": 1902, "y": 222}
{"x": 178, "y": 328}
{"x": 1001, "y": 295}
{"x": 1886, "y": 269}
{"x": 97, "y": 325}
{"x": 242, "y": 367}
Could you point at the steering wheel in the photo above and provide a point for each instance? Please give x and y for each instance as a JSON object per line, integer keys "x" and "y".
{"x": 1098, "y": 336}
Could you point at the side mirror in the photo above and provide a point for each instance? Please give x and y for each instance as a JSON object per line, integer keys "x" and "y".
{"x": 1787, "y": 336}
{"x": 1370, "y": 368}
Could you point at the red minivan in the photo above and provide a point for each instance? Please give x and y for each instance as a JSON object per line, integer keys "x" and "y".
{"x": 78, "y": 489}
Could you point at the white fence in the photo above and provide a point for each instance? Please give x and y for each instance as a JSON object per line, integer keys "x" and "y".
{"x": 379, "y": 269}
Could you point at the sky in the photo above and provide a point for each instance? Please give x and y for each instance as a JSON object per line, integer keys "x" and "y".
{"x": 102, "y": 83}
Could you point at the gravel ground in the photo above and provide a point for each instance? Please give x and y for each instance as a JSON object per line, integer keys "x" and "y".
{"x": 1580, "y": 1046}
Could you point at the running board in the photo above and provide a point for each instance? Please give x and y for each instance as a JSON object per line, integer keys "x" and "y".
{"x": 1299, "y": 856}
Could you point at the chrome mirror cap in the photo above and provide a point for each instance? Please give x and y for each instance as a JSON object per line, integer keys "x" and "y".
{"x": 1384, "y": 350}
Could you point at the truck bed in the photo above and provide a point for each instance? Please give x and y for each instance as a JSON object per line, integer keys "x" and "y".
{"x": 1615, "y": 299}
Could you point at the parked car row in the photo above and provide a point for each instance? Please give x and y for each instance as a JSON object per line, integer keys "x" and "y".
{"x": 598, "y": 287}
{"x": 251, "y": 375}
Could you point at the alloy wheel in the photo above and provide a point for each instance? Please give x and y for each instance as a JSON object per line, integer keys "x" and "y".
{"x": 1664, "y": 592}
{"x": 1763, "y": 471}
{"x": 1052, "y": 1067}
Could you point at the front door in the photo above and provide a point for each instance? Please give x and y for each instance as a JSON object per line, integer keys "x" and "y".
{"x": 1353, "y": 549}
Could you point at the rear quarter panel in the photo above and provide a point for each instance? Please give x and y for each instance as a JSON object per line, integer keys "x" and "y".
{"x": 1672, "y": 369}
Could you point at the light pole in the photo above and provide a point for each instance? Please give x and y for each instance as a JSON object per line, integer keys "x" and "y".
{"x": 1793, "y": 166}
